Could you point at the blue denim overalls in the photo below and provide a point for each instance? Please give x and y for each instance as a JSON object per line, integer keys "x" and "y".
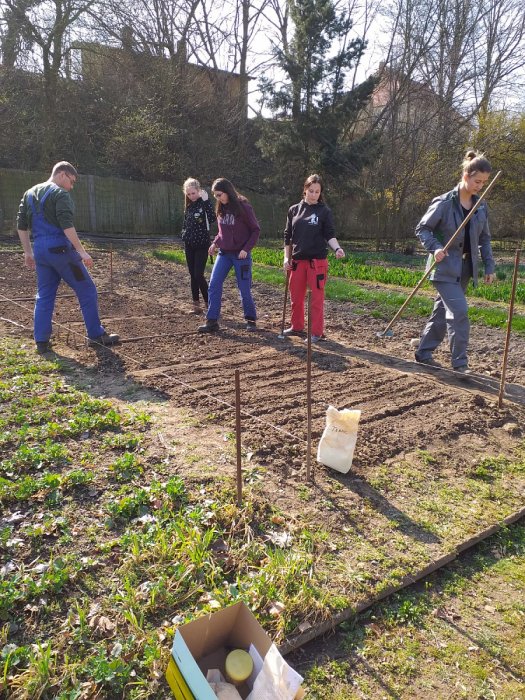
{"x": 56, "y": 259}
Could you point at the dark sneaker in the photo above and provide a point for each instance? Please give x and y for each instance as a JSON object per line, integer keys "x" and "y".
{"x": 196, "y": 308}
{"x": 292, "y": 331}
{"x": 211, "y": 326}
{"x": 106, "y": 339}
{"x": 429, "y": 361}
{"x": 251, "y": 325}
{"x": 43, "y": 346}
{"x": 463, "y": 369}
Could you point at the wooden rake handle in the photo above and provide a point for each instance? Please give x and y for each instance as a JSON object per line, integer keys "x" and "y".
{"x": 285, "y": 302}
{"x": 445, "y": 248}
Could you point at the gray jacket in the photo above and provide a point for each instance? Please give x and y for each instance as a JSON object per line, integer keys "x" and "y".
{"x": 438, "y": 225}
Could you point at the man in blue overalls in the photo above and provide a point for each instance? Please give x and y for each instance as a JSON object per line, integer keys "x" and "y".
{"x": 47, "y": 210}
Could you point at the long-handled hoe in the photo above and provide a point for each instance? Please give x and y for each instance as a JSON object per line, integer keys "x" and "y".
{"x": 388, "y": 333}
{"x": 283, "y": 321}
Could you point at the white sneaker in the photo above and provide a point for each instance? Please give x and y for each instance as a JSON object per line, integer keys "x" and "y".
{"x": 316, "y": 338}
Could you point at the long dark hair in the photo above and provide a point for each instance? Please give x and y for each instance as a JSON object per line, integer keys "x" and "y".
{"x": 221, "y": 184}
{"x": 310, "y": 180}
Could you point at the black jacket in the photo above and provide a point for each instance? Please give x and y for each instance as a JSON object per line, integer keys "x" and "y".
{"x": 198, "y": 217}
{"x": 309, "y": 227}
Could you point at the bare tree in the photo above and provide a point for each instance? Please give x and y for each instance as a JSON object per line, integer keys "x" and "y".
{"x": 46, "y": 27}
{"x": 160, "y": 28}
{"x": 15, "y": 35}
{"x": 499, "y": 56}
{"x": 448, "y": 62}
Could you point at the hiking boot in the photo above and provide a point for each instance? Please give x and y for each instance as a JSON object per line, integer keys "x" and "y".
{"x": 429, "y": 361}
{"x": 292, "y": 331}
{"x": 106, "y": 339}
{"x": 211, "y": 326}
{"x": 250, "y": 325}
{"x": 462, "y": 369}
{"x": 43, "y": 346}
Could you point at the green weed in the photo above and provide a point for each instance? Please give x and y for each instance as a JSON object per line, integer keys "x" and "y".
{"x": 176, "y": 491}
{"x": 489, "y": 468}
{"x": 139, "y": 419}
{"x": 126, "y": 468}
{"x": 122, "y": 441}
{"x": 111, "y": 672}
{"x": 129, "y": 506}
{"x": 304, "y": 492}
{"x": 427, "y": 458}
{"x": 27, "y": 458}
{"x": 78, "y": 477}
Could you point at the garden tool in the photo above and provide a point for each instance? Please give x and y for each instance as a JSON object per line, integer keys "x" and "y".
{"x": 388, "y": 333}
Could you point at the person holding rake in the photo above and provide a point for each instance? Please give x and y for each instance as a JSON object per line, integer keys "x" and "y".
{"x": 309, "y": 233}
{"x": 458, "y": 264}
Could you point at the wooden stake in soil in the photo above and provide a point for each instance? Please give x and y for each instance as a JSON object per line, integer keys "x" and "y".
{"x": 238, "y": 435}
{"x": 509, "y": 325}
{"x": 111, "y": 268}
{"x": 309, "y": 389}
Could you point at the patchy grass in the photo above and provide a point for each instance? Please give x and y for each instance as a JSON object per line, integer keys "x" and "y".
{"x": 109, "y": 541}
{"x": 101, "y": 562}
{"x": 459, "y": 634}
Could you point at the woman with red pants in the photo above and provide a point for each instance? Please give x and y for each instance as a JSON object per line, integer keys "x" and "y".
{"x": 309, "y": 232}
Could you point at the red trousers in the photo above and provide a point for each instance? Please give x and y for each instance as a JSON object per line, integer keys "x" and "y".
{"x": 311, "y": 274}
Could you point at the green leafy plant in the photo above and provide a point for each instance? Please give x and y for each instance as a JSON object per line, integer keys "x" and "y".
{"x": 127, "y": 467}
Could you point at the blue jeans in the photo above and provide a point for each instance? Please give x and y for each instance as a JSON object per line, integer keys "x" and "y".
{"x": 243, "y": 274}
{"x": 51, "y": 267}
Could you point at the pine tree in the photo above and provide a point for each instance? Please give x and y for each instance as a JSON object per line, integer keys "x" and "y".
{"x": 314, "y": 115}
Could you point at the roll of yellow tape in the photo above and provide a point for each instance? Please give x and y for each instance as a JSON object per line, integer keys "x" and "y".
{"x": 239, "y": 665}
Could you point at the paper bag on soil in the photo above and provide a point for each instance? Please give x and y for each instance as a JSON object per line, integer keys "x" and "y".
{"x": 337, "y": 444}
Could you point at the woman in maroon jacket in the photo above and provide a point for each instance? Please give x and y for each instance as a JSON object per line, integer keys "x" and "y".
{"x": 309, "y": 232}
{"x": 238, "y": 233}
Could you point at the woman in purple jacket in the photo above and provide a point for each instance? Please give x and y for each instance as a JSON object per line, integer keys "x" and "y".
{"x": 238, "y": 233}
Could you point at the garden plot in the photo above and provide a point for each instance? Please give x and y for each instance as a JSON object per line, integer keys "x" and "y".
{"x": 436, "y": 461}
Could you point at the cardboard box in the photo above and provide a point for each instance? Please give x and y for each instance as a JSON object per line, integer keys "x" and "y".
{"x": 204, "y": 644}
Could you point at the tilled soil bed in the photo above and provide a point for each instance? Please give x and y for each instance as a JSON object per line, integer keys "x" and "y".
{"x": 415, "y": 490}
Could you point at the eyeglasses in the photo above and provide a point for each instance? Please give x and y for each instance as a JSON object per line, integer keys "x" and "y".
{"x": 218, "y": 195}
